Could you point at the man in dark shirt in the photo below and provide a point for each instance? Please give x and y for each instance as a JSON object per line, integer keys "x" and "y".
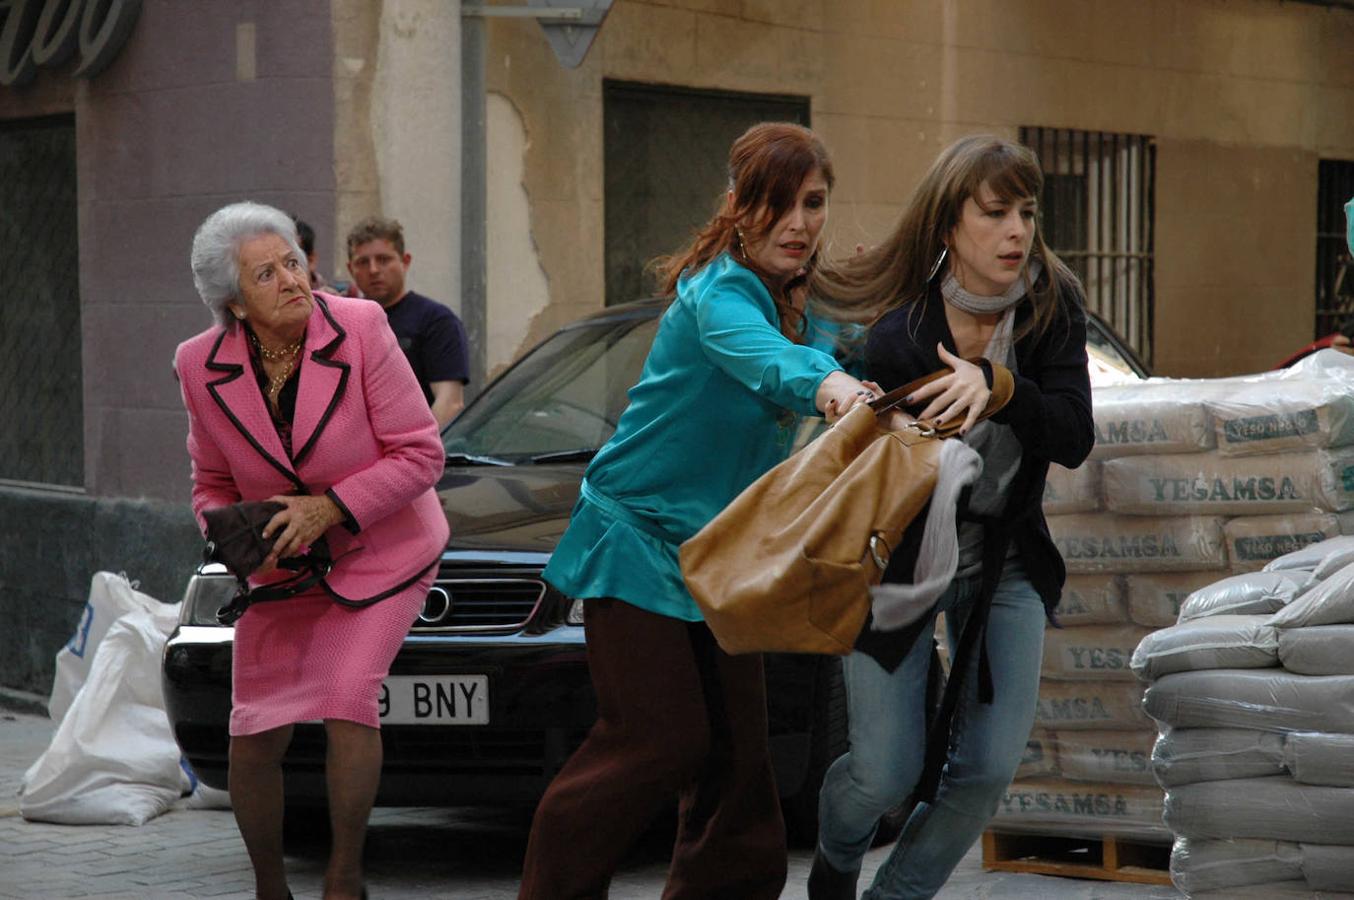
{"x": 430, "y": 334}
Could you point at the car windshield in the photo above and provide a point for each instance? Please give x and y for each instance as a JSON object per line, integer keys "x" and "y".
{"x": 561, "y": 401}
{"x": 1108, "y": 364}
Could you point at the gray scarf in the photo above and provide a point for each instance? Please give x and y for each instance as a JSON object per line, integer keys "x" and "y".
{"x": 959, "y": 298}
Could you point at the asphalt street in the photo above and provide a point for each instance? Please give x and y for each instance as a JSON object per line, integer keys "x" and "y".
{"x": 411, "y": 852}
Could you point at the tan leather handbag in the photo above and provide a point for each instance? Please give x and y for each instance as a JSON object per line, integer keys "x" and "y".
{"x": 788, "y": 565}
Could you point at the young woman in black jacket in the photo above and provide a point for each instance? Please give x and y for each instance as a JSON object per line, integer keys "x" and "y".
{"x": 964, "y": 281}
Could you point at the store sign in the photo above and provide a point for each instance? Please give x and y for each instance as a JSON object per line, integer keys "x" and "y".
{"x": 46, "y": 33}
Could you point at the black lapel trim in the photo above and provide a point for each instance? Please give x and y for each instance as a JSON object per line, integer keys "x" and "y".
{"x": 321, "y": 357}
{"x": 234, "y": 371}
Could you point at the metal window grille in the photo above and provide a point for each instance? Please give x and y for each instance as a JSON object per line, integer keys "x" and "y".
{"x": 1334, "y": 269}
{"x": 1097, "y": 214}
{"x": 41, "y": 408}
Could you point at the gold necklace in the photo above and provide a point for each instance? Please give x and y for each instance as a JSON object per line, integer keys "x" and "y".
{"x": 275, "y": 382}
{"x": 286, "y": 352}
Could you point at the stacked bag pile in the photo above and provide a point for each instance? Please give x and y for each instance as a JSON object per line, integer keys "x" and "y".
{"x": 1190, "y": 482}
{"x": 1253, "y": 691}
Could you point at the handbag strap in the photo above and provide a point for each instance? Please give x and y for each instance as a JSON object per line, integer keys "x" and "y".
{"x": 1003, "y": 387}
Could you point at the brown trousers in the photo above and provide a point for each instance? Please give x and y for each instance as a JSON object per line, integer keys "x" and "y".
{"x": 677, "y": 719}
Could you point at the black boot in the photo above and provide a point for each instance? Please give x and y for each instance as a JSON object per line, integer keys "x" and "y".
{"x": 826, "y": 883}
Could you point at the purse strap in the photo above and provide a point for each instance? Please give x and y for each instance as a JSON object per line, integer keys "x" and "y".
{"x": 1003, "y": 387}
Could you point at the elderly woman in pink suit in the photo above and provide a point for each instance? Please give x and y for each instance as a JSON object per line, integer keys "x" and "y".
{"x": 306, "y": 399}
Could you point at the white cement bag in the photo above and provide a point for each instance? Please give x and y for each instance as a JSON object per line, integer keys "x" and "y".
{"x": 1155, "y": 416}
{"x": 1285, "y": 890}
{"x": 1326, "y": 557}
{"x": 1320, "y": 758}
{"x": 1052, "y": 806}
{"x": 1318, "y": 649}
{"x": 1155, "y": 598}
{"x": 1090, "y": 705}
{"x": 1121, "y": 757}
{"x": 1260, "y": 699}
{"x": 1327, "y": 602}
{"x": 1093, "y": 652}
{"x": 1255, "y": 541}
{"x": 112, "y": 759}
{"x": 1277, "y": 809}
{"x": 1092, "y": 600}
{"x": 1276, "y": 416}
{"x": 1207, "y": 483}
{"x": 110, "y": 596}
{"x": 1040, "y": 759}
{"x": 1072, "y": 490}
{"x": 1094, "y": 543}
{"x": 1215, "y": 642}
{"x": 1254, "y": 593}
{"x": 1328, "y": 867}
{"x": 1186, "y": 755}
{"x": 1210, "y": 865}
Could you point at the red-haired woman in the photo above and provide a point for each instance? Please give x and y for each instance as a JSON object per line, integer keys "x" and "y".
{"x": 735, "y": 363}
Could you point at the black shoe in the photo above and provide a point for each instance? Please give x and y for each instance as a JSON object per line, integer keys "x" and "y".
{"x": 826, "y": 883}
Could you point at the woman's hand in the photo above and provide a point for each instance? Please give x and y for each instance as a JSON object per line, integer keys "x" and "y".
{"x": 964, "y": 392}
{"x": 300, "y": 524}
{"x": 839, "y": 392}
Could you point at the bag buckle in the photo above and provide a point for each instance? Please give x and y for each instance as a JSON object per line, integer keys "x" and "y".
{"x": 881, "y": 561}
{"x": 922, "y": 429}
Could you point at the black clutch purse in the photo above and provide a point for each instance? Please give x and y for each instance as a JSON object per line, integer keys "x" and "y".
{"x": 235, "y": 540}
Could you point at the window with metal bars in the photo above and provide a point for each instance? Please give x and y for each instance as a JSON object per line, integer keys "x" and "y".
{"x": 1334, "y": 269}
{"x": 1097, "y": 214}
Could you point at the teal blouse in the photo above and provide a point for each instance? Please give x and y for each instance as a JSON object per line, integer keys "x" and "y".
{"x": 706, "y": 419}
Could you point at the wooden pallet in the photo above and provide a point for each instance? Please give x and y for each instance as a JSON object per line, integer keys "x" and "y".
{"x": 1108, "y": 858}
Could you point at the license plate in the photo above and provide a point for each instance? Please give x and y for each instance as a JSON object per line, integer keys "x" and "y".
{"x": 435, "y": 700}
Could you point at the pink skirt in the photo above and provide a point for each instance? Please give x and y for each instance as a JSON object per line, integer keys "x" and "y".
{"x": 307, "y": 658}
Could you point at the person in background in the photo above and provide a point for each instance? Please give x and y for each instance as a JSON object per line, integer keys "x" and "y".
{"x": 964, "y": 281}
{"x": 431, "y": 335}
{"x": 735, "y": 363}
{"x": 301, "y": 398}
{"x": 306, "y": 235}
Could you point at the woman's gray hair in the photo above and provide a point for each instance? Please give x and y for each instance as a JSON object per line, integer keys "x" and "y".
{"x": 216, "y": 251}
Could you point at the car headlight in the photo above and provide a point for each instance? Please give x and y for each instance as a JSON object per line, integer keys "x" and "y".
{"x": 575, "y": 616}
{"x": 210, "y": 588}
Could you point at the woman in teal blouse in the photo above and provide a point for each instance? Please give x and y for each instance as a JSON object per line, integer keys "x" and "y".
{"x": 735, "y": 363}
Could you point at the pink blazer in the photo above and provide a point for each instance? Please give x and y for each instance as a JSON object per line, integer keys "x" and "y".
{"x": 362, "y": 433}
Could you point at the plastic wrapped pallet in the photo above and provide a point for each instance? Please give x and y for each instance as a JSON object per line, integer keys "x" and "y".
{"x": 1208, "y": 483}
{"x": 1278, "y": 415}
{"x": 1096, "y": 543}
{"x": 1262, "y": 699}
{"x": 1067, "y": 807}
{"x": 1090, "y": 705}
{"x": 1189, "y": 755}
{"x": 1093, "y": 652}
{"x": 1092, "y": 600}
{"x": 1155, "y": 598}
{"x": 1287, "y": 890}
{"x": 1253, "y": 593}
{"x": 1255, "y": 541}
{"x": 1072, "y": 490}
{"x": 1123, "y": 757}
{"x": 1274, "y": 808}
{"x": 1201, "y": 864}
{"x": 1214, "y": 642}
{"x": 1156, "y": 416}
{"x": 1327, "y": 602}
{"x": 1318, "y": 649}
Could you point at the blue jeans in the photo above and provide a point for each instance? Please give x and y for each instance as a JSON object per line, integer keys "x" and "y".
{"x": 888, "y": 744}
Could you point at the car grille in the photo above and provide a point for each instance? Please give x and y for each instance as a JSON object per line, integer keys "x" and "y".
{"x": 460, "y": 605}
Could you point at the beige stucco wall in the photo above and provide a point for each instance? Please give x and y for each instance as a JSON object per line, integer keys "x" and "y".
{"x": 1243, "y": 96}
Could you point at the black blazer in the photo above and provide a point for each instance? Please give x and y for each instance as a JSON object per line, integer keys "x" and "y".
{"x": 1050, "y": 412}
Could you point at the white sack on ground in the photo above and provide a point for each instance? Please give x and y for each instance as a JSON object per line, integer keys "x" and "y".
{"x": 1207, "y": 483}
{"x": 1155, "y": 598}
{"x": 1187, "y": 755}
{"x": 1040, "y": 759}
{"x": 1201, "y": 864}
{"x": 1092, "y": 652}
{"x": 1253, "y": 593}
{"x": 1328, "y": 602}
{"x": 1255, "y": 541}
{"x": 1320, "y": 758}
{"x": 1273, "y": 416}
{"x": 1318, "y": 649}
{"x": 1324, "y": 558}
{"x": 112, "y": 759}
{"x": 110, "y": 596}
{"x": 1261, "y": 699}
{"x": 1122, "y": 757}
{"x": 1092, "y": 600}
{"x": 1275, "y": 808}
{"x": 1214, "y": 642}
{"x": 1052, "y": 806}
{"x": 1328, "y": 867}
{"x": 1156, "y": 416}
{"x": 1072, "y": 490}
{"x": 1093, "y": 543}
{"x": 1090, "y": 705}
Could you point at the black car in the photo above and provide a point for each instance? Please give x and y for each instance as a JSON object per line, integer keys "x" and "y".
{"x": 490, "y": 693}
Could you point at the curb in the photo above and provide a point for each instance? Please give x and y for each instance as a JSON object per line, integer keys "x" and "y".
{"x": 15, "y": 700}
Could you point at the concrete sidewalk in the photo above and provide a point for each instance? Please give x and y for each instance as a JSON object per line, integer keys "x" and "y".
{"x": 411, "y": 853}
